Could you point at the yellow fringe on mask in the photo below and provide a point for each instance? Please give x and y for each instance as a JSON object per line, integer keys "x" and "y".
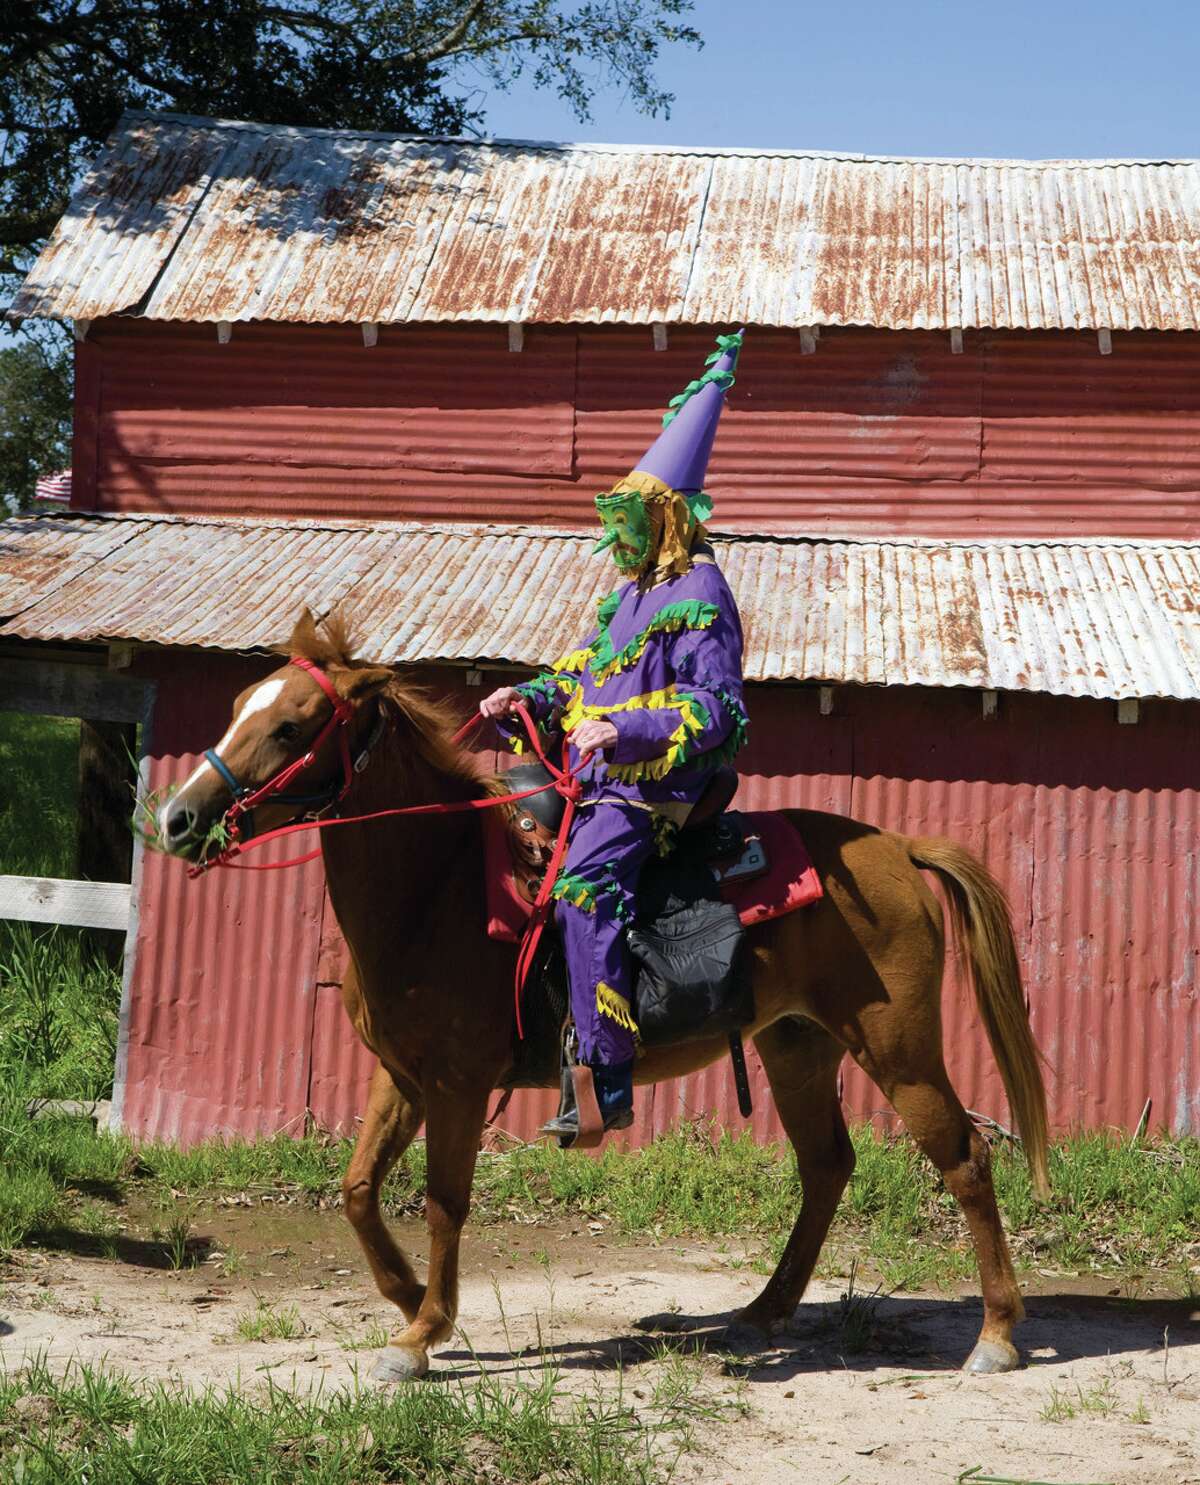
{"x": 615, "y": 1006}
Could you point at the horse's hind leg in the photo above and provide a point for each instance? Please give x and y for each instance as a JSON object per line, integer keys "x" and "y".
{"x": 939, "y": 1124}
{"x": 391, "y": 1120}
{"x": 801, "y": 1062}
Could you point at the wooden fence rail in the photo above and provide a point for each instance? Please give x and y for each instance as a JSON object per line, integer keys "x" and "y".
{"x": 56, "y": 900}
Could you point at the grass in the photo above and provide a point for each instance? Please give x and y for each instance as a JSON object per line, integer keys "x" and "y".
{"x": 1073, "y": 1402}
{"x": 90, "y": 1423}
{"x": 267, "y": 1323}
{"x": 1117, "y": 1209}
{"x": 39, "y": 774}
{"x": 58, "y": 1000}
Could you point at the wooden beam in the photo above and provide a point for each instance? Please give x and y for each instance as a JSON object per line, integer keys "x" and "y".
{"x": 809, "y": 335}
{"x": 370, "y": 333}
{"x": 1128, "y": 712}
{"x": 956, "y": 344}
{"x": 224, "y": 332}
{"x": 826, "y": 701}
{"x": 51, "y": 689}
{"x": 80, "y": 328}
{"x": 1104, "y": 341}
{"x": 516, "y": 336}
{"x": 55, "y": 900}
{"x": 658, "y": 334}
{"x": 991, "y": 705}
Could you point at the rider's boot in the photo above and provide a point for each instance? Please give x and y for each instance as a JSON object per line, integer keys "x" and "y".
{"x": 614, "y": 1095}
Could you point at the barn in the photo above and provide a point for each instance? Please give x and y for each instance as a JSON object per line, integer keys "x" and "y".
{"x": 957, "y": 493}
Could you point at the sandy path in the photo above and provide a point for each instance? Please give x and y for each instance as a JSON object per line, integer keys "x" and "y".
{"x": 893, "y": 1412}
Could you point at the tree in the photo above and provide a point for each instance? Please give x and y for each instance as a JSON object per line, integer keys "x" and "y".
{"x": 70, "y": 68}
{"x": 35, "y": 418}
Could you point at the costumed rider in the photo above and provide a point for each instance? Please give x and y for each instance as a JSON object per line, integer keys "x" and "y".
{"x": 651, "y": 704}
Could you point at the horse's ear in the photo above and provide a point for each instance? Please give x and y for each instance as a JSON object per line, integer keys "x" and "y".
{"x": 363, "y": 681}
{"x": 304, "y": 639}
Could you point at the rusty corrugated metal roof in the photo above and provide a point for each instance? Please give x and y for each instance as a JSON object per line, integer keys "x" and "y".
{"x": 197, "y": 219}
{"x": 1101, "y": 618}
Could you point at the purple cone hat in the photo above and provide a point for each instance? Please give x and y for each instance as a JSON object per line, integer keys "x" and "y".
{"x": 679, "y": 455}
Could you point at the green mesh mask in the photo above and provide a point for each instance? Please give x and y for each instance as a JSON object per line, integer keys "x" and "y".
{"x": 627, "y": 531}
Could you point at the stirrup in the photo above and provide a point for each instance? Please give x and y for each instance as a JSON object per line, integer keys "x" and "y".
{"x": 578, "y": 1125}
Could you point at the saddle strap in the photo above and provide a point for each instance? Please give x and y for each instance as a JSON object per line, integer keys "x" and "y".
{"x": 741, "y": 1077}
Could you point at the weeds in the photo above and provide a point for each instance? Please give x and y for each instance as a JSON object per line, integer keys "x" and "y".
{"x": 1069, "y": 1403}
{"x": 857, "y": 1316}
{"x": 374, "y": 1338}
{"x": 93, "y": 1424}
{"x": 269, "y": 1324}
{"x": 175, "y": 1234}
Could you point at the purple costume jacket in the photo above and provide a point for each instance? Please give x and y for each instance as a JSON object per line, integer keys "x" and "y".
{"x": 664, "y": 666}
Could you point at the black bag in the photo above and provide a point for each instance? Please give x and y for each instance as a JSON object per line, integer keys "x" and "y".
{"x": 693, "y": 972}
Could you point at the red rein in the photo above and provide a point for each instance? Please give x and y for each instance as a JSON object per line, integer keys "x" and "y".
{"x": 562, "y": 779}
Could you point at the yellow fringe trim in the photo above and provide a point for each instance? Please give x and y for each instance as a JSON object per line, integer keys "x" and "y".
{"x": 575, "y": 660}
{"x": 692, "y": 720}
{"x": 615, "y": 1006}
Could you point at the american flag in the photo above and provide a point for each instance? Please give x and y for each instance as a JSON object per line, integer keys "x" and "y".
{"x": 54, "y": 487}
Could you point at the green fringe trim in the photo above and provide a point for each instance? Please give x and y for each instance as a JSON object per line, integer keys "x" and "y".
{"x": 611, "y": 1003}
{"x": 578, "y": 891}
{"x": 550, "y": 686}
{"x": 605, "y": 661}
{"x": 666, "y": 833}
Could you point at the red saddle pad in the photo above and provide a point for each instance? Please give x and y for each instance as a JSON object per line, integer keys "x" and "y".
{"x": 790, "y": 881}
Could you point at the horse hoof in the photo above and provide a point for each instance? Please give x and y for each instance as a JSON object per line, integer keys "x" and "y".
{"x": 399, "y": 1364}
{"x": 990, "y": 1357}
{"x": 751, "y": 1322}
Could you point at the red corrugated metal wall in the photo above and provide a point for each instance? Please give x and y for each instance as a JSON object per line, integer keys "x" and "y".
{"x": 235, "y": 1024}
{"x": 878, "y": 432}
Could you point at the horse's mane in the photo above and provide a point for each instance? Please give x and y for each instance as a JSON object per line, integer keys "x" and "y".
{"x": 430, "y": 719}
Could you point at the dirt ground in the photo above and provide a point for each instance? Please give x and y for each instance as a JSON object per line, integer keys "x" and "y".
{"x": 1110, "y": 1389}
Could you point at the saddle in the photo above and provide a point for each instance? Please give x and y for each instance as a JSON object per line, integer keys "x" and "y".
{"x": 714, "y": 833}
{"x": 728, "y": 869}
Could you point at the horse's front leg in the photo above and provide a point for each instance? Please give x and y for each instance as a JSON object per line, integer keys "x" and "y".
{"x": 454, "y": 1124}
{"x": 391, "y": 1119}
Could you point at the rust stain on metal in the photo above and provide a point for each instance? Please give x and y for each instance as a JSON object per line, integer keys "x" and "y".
{"x": 326, "y": 225}
{"x": 1099, "y": 622}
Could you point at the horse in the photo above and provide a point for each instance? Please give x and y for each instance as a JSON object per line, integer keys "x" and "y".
{"x": 431, "y": 995}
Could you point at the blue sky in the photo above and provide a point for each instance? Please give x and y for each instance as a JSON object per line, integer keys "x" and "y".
{"x": 917, "y": 77}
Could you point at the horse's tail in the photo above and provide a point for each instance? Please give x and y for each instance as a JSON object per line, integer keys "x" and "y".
{"x": 983, "y": 927}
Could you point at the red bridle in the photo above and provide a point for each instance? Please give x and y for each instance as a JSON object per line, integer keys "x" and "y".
{"x": 246, "y": 799}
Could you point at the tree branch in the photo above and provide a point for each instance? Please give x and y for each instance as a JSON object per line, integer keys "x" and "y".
{"x": 449, "y": 41}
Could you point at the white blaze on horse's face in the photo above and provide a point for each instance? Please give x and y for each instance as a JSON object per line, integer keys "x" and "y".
{"x": 262, "y": 697}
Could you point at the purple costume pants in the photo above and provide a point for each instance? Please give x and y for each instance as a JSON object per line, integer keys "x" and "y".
{"x": 609, "y": 845}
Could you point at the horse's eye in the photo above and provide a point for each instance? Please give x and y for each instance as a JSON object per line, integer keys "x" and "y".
{"x": 287, "y": 732}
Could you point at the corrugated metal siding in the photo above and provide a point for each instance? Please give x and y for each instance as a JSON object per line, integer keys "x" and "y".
{"x": 1091, "y": 828}
{"x": 218, "y": 1039}
{"x": 1028, "y": 434}
{"x": 1101, "y": 619}
{"x": 321, "y": 225}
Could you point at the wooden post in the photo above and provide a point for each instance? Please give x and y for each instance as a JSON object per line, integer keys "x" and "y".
{"x": 104, "y": 843}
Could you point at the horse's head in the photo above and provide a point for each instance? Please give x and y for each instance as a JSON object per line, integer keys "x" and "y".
{"x": 300, "y": 729}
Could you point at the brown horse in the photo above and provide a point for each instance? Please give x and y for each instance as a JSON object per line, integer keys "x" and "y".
{"x": 431, "y": 995}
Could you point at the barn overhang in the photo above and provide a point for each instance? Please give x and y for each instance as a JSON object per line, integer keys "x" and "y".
{"x": 1101, "y": 618}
